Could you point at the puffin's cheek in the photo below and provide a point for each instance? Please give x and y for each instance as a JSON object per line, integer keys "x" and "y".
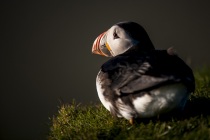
{"x": 124, "y": 44}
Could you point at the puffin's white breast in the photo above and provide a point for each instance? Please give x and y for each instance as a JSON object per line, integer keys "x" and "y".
{"x": 161, "y": 100}
{"x": 100, "y": 91}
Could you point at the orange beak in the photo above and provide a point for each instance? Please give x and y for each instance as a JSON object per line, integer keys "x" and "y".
{"x": 96, "y": 44}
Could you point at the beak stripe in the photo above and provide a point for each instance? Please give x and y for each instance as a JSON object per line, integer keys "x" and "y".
{"x": 108, "y": 47}
{"x": 97, "y": 43}
{"x": 98, "y": 40}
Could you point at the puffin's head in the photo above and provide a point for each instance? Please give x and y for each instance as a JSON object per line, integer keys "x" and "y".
{"x": 121, "y": 37}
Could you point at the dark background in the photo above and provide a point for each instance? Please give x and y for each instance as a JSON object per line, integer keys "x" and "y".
{"x": 46, "y": 51}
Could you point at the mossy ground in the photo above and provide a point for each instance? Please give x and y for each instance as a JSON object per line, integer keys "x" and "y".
{"x": 77, "y": 121}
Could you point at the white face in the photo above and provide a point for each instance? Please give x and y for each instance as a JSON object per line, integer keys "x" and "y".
{"x": 118, "y": 40}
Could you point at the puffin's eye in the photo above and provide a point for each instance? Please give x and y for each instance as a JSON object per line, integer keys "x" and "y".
{"x": 115, "y": 35}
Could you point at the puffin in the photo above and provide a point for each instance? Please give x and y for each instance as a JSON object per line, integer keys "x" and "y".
{"x": 139, "y": 81}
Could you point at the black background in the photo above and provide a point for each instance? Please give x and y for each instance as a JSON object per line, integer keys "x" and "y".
{"x": 46, "y": 51}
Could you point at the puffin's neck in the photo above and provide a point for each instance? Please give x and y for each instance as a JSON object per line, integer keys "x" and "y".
{"x": 139, "y": 49}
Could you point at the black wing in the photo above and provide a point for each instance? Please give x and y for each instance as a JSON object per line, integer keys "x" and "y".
{"x": 132, "y": 73}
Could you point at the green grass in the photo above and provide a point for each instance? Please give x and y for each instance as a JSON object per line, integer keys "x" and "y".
{"x": 77, "y": 121}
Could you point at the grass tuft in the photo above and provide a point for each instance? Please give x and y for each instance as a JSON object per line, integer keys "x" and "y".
{"x": 91, "y": 122}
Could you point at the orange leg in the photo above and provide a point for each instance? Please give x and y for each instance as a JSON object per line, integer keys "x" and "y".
{"x": 131, "y": 121}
